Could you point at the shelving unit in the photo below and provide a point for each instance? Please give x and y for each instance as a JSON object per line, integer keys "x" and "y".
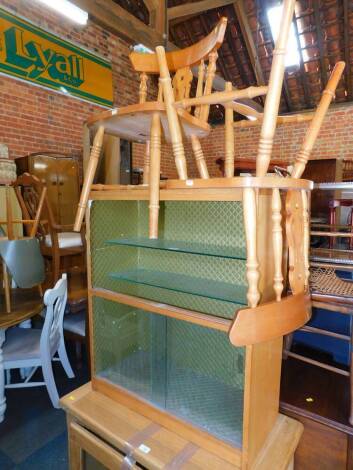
{"x": 161, "y": 312}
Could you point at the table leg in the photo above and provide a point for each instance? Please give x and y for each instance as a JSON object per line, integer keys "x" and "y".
{"x": 2, "y": 379}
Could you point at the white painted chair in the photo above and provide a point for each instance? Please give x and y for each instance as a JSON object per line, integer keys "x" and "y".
{"x": 36, "y": 348}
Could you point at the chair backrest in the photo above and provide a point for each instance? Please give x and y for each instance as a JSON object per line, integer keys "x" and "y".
{"x": 32, "y": 197}
{"x": 55, "y": 300}
{"x": 24, "y": 261}
{"x": 180, "y": 62}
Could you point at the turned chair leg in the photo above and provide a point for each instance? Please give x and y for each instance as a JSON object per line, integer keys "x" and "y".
{"x": 154, "y": 176}
{"x": 199, "y": 157}
{"x": 89, "y": 177}
{"x": 172, "y": 115}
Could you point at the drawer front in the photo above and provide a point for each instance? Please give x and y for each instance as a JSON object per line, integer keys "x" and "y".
{"x": 80, "y": 439}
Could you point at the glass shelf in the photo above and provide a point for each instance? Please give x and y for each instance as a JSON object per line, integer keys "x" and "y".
{"x": 187, "y": 284}
{"x": 183, "y": 247}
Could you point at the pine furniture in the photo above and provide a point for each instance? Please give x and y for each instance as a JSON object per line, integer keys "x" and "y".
{"x": 185, "y": 299}
{"x": 101, "y": 429}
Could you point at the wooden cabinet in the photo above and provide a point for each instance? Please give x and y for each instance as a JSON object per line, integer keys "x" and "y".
{"x": 161, "y": 311}
{"x": 61, "y": 175}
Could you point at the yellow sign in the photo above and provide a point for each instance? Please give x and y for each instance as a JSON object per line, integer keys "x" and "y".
{"x": 34, "y": 55}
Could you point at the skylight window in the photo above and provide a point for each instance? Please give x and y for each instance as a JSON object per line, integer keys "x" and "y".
{"x": 292, "y": 56}
{"x": 67, "y": 9}
{"x": 142, "y": 49}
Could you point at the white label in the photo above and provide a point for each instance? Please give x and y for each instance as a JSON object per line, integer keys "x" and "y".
{"x": 189, "y": 182}
{"x": 144, "y": 449}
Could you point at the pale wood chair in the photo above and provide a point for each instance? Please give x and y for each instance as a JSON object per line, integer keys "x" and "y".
{"x": 37, "y": 348}
{"x": 145, "y": 121}
{"x": 57, "y": 241}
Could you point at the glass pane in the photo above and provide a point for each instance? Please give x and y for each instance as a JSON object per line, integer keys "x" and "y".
{"x": 188, "y": 370}
{"x": 202, "y": 223}
{"x": 183, "y": 247}
{"x": 188, "y": 284}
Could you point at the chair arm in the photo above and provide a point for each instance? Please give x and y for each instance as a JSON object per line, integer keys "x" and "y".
{"x": 270, "y": 320}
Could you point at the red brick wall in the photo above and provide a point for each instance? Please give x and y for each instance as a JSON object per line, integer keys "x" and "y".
{"x": 35, "y": 119}
{"x": 335, "y": 141}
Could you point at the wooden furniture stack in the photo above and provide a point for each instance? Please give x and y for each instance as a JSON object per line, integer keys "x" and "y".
{"x": 185, "y": 291}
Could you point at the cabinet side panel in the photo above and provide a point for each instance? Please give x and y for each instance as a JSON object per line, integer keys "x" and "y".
{"x": 261, "y": 396}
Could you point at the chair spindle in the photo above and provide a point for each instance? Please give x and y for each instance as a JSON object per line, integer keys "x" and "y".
{"x": 9, "y": 215}
{"x": 146, "y": 163}
{"x": 252, "y": 265}
{"x": 142, "y": 99}
{"x": 306, "y": 238}
{"x": 229, "y": 138}
{"x": 277, "y": 239}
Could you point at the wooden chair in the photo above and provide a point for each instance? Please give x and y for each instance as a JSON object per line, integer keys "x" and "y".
{"x": 334, "y": 205}
{"x": 145, "y": 121}
{"x": 31, "y": 225}
{"x": 37, "y": 348}
{"x": 57, "y": 241}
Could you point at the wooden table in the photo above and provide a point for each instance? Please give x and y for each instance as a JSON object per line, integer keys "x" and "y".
{"x": 25, "y": 304}
{"x": 119, "y": 437}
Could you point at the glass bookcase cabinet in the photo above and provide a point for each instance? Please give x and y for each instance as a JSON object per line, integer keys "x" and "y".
{"x": 161, "y": 311}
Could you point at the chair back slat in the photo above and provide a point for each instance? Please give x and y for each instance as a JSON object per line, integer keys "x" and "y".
{"x": 182, "y": 83}
{"x": 211, "y": 72}
{"x": 200, "y": 82}
{"x": 182, "y": 58}
{"x": 143, "y": 87}
{"x": 55, "y": 300}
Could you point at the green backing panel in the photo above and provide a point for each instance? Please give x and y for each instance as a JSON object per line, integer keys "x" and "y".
{"x": 191, "y": 371}
{"x": 217, "y": 223}
{"x": 188, "y": 370}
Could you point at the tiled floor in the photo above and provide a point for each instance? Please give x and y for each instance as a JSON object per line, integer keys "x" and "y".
{"x": 33, "y": 434}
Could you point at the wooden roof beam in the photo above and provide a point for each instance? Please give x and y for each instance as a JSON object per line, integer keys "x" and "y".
{"x": 348, "y": 73}
{"x": 320, "y": 43}
{"x": 195, "y": 8}
{"x": 301, "y": 64}
{"x": 249, "y": 41}
{"x": 119, "y": 21}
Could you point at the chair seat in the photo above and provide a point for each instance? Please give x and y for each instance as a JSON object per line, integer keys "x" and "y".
{"x": 21, "y": 344}
{"x": 75, "y": 323}
{"x": 133, "y": 122}
{"x": 65, "y": 240}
